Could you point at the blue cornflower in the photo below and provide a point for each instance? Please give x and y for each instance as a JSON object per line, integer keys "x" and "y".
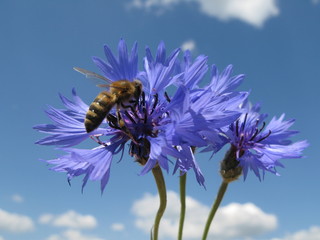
{"x": 260, "y": 147}
{"x": 217, "y": 101}
{"x": 214, "y": 106}
{"x": 151, "y": 127}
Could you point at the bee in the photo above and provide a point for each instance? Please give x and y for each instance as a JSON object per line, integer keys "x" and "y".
{"x": 121, "y": 94}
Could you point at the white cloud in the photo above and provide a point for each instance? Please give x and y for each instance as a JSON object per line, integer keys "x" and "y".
{"x": 16, "y": 223}
{"x": 313, "y": 233}
{"x": 158, "y": 6}
{"x": 233, "y": 221}
{"x": 315, "y": 1}
{"x": 17, "y": 198}
{"x": 70, "y": 219}
{"x": 46, "y": 218}
{"x": 254, "y": 12}
{"x": 1, "y": 238}
{"x": 188, "y": 45}
{"x": 72, "y": 235}
{"x": 117, "y": 227}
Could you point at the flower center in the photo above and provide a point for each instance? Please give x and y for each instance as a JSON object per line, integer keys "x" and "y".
{"x": 248, "y": 136}
{"x": 138, "y": 122}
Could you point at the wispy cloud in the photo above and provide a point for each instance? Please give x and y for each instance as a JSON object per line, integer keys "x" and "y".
{"x": 70, "y": 219}
{"x": 15, "y": 223}
{"x": 72, "y": 234}
{"x": 17, "y": 198}
{"x": 234, "y": 221}
{"x": 156, "y": 6}
{"x": 315, "y": 1}
{"x": 118, "y": 227}
{"x": 1, "y": 238}
{"x": 254, "y": 12}
{"x": 313, "y": 233}
{"x": 188, "y": 45}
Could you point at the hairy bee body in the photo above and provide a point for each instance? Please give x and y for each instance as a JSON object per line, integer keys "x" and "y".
{"x": 98, "y": 110}
{"x": 122, "y": 93}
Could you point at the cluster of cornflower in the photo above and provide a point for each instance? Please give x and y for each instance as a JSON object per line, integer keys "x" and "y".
{"x": 165, "y": 126}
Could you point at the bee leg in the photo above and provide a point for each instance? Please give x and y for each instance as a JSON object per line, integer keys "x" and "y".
{"x": 97, "y": 140}
{"x": 121, "y": 123}
{"x": 128, "y": 106}
{"x": 123, "y": 127}
{"x": 134, "y": 103}
{"x": 113, "y": 121}
{"x": 131, "y": 108}
{"x": 130, "y": 117}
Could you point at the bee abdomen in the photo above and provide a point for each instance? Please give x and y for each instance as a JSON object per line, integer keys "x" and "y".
{"x": 98, "y": 110}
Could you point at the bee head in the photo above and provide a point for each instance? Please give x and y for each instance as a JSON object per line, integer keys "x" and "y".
{"x": 138, "y": 88}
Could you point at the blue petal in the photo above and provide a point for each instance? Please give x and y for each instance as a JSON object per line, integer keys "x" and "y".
{"x": 93, "y": 163}
{"x": 126, "y": 67}
{"x": 159, "y": 73}
{"x": 195, "y": 72}
{"x": 216, "y": 139}
{"x": 106, "y": 69}
{"x": 279, "y": 130}
{"x": 187, "y": 162}
{"x": 155, "y": 156}
{"x": 223, "y": 83}
{"x": 161, "y": 53}
{"x": 77, "y": 106}
{"x": 252, "y": 162}
{"x": 68, "y": 128}
{"x": 274, "y": 152}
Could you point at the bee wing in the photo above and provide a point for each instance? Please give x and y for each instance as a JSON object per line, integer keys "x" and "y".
{"x": 103, "y": 85}
{"x": 90, "y": 74}
{"x": 107, "y": 86}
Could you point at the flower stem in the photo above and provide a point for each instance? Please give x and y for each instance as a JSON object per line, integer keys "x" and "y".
{"x": 158, "y": 176}
{"x": 183, "y": 179}
{"x": 222, "y": 190}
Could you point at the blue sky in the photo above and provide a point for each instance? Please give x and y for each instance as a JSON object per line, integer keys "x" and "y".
{"x": 275, "y": 43}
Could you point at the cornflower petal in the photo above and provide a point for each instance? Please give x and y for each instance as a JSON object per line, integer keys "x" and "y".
{"x": 93, "y": 163}
{"x": 219, "y": 111}
{"x": 194, "y": 73}
{"x": 252, "y": 162}
{"x": 68, "y": 129}
{"x": 159, "y": 72}
{"x": 216, "y": 139}
{"x": 276, "y": 152}
{"x": 75, "y": 106}
{"x": 156, "y": 149}
{"x": 279, "y": 129}
{"x": 223, "y": 83}
{"x": 188, "y": 162}
{"x": 126, "y": 67}
{"x": 185, "y": 123}
{"x": 161, "y": 53}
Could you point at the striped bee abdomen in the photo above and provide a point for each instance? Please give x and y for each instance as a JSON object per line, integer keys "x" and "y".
{"x": 98, "y": 110}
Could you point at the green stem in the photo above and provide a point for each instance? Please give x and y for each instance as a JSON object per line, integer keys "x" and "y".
{"x": 158, "y": 177}
{"x": 222, "y": 190}
{"x": 183, "y": 180}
